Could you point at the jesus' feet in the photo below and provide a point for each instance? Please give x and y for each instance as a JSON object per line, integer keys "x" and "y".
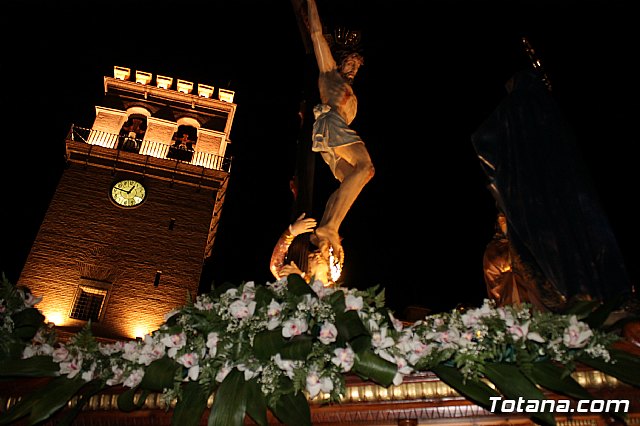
{"x": 326, "y": 239}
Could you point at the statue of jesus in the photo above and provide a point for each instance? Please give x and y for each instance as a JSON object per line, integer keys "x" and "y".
{"x": 341, "y": 148}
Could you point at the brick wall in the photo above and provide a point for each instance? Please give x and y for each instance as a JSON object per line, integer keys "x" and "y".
{"x": 84, "y": 233}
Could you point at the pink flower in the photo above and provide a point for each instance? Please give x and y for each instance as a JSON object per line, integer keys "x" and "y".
{"x": 222, "y": 373}
{"x": 174, "y": 342}
{"x": 212, "y": 343}
{"x": 134, "y": 378}
{"x": 519, "y": 331}
{"x": 188, "y": 360}
{"x": 353, "y": 303}
{"x": 328, "y": 333}
{"x": 294, "y": 327}
{"x": 60, "y": 354}
{"x": 241, "y": 310}
{"x": 577, "y": 334}
{"x": 315, "y": 384}
{"x": 285, "y": 365}
{"x": 344, "y": 358}
{"x": 71, "y": 368}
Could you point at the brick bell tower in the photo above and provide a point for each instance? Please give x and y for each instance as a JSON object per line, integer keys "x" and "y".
{"x": 136, "y": 210}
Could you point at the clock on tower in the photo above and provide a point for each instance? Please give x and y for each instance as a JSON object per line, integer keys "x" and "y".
{"x": 135, "y": 213}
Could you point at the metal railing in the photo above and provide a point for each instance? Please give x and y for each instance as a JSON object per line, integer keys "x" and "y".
{"x": 147, "y": 147}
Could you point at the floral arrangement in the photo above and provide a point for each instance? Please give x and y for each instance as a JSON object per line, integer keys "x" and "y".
{"x": 276, "y": 346}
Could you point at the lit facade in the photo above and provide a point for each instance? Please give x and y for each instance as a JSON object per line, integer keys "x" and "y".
{"x": 135, "y": 213}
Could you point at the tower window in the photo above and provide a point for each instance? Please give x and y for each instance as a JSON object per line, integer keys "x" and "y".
{"x": 89, "y": 303}
{"x": 184, "y": 140}
{"x": 132, "y": 133}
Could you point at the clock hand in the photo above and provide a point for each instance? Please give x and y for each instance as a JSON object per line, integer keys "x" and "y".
{"x": 120, "y": 189}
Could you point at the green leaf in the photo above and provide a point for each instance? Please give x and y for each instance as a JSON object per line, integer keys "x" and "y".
{"x": 37, "y": 366}
{"x": 54, "y": 396}
{"x": 256, "y": 404}
{"x": 217, "y": 291}
{"x": 87, "y": 391}
{"x": 337, "y": 301}
{"x": 476, "y": 391}
{"x": 513, "y": 384}
{"x": 262, "y": 297}
{"x": 159, "y": 374}
{"x": 45, "y": 401}
{"x": 127, "y": 400}
{"x": 298, "y": 286}
{"x": 554, "y": 378}
{"x": 349, "y": 326}
{"x": 360, "y": 344}
{"x": 598, "y": 317}
{"x": 268, "y": 343}
{"x": 230, "y": 402}
{"x": 191, "y": 405}
{"x": 21, "y": 409}
{"x": 370, "y": 366}
{"x": 297, "y": 348}
{"x": 292, "y": 410}
{"x": 623, "y": 366}
{"x": 581, "y": 308}
{"x": 26, "y": 323}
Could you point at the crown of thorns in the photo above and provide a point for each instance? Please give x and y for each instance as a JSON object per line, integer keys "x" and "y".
{"x": 345, "y": 39}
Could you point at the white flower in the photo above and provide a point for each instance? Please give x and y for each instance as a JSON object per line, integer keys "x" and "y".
{"x": 519, "y": 331}
{"x": 130, "y": 351}
{"x": 151, "y": 351}
{"x": 248, "y": 372}
{"x": 397, "y": 324}
{"x": 380, "y": 340}
{"x": 188, "y": 360}
{"x": 273, "y": 314}
{"x": 328, "y": 333}
{"x": 344, "y": 358}
{"x": 320, "y": 290}
{"x": 315, "y": 383}
{"x": 353, "y": 303}
{"x": 30, "y": 299}
{"x": 117, "y": 376}
{"x": 29, "y": 351}
{"x": 203, "y": 304}
{"x": 279, "y": 286}
{"x": 174, "y": 342}
{"x": 110, "y": 348}
{"x": 285, "y": 365}
{"x": 212, "y": 343}
{"x": 87, "y": 376}
{"x": 72, "y": 367}
{"x": 248, "y": 292}
{"x": 240, "y": 310}
{"x": 222, "y": 373}
{"x": 577, "y": 334}
{"x": 170, "y": 314}
{"x": 403, "y": 370}
{"x": 60, "y": 354}
{"x": 535, "y": 336}
{"x": 134, "y": 378}
{"x": 45, "y": 349}
{"x": 294, "y": 327}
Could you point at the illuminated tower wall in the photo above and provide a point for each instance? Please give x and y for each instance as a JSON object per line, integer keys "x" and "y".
{"x": 122, "y": 255}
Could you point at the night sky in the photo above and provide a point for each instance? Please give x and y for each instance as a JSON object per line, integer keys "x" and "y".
{"x": 433, "y": 72}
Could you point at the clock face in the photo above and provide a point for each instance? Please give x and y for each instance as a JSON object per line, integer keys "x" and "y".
{"x": 128, "y": 193}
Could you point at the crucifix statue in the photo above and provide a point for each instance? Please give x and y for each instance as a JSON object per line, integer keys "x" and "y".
{"x": 341, "y": 147}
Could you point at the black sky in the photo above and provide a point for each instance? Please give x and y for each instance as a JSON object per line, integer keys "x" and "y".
{"x": 433, "y": 72}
